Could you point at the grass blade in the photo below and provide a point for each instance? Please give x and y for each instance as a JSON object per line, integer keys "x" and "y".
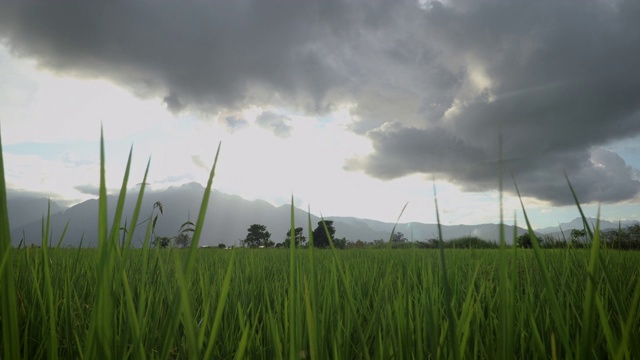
{"x": 293, "y": 306}
{"x": 136, "y": 211}
{"x": 550, "y": 291}
{"x": 195, "y": 240}
{"x": 9, "y": 314}
{"x": 222, "y": 300}
{"x": 452, "y": 321}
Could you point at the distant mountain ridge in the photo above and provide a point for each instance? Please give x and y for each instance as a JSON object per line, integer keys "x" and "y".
{"x": 563, "y": 230}
{"x": 228, "y": 218}
{"x": 25, "y": 209}
{"x": 578, "y": 224}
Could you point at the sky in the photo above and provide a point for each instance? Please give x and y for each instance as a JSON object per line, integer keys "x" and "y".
{"x": 354, "y": 107}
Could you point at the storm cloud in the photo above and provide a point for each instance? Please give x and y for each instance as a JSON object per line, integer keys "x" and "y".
{"x": 431, "y": 84}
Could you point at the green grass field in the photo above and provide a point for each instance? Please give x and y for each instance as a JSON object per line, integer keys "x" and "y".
{"x": 397, "y": 311}
{"x": 116, "y": 302}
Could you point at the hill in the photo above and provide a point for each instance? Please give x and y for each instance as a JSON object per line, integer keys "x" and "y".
{"x": 227, "y": 221}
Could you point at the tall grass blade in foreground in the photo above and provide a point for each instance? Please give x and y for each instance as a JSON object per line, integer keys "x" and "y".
{"x": 556, "y": 311}
{"x": 505, "y": 332}
{"x": 185, "y": 276}
{"x": 589, "y": 308}
{"x": 312, "y": 305}
{"x": 393, "y": 230}
{"x": 9, "y": 314}
{"x": 217, "y": 321}
{"x": 347, "y": 287}
{"x": 586, "y": 225}
{"x": 195, "y": 240}
{"x": 46, "y": 262}
{"x": 136, "y": 211}
{"x": 101, "y": 335}
{"x": 448, "y": 298}
{"x": 292, "y": 305}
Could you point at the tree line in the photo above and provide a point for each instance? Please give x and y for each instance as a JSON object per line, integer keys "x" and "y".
{"x": 627, "y": 238}
{"x": 258, "y": 236}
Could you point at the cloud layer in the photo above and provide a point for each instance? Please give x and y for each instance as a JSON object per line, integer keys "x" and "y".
{"x": 431, "y": 85}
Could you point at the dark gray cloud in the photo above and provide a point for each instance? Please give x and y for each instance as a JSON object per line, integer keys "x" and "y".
{"x": 204, "y": 54}
{"x": 557, "y": 80}
{"x": 596, "y": 174}
{"x": 275, "y": 123}
{"x": 173, "y": 103}
{"x": 432, "y": 86}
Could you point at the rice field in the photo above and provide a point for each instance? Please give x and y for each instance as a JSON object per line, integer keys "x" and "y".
{"x": 117, "y": 302}
{"x": 379, "y": 304}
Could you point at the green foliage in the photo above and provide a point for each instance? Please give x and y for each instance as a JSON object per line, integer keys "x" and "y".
{"x": 401, "y": 310}
{"x": 524, "y": 241}
{"x": 627, "y": 238}
{"x": 183, "y": 240}
{"x": 161, "y": 242}
{"x": 257, "y": 236}
{"x": 341, "y": 243}
{"x": 578, "y": 237}
{"x": 298, "y": 236}
{"x": 8, "y": 306}
{"x": 398, "y": 237}
{"x": 320, "y": 238}
{"x": 622, "y": 238}
{"x": 470, "y": 242}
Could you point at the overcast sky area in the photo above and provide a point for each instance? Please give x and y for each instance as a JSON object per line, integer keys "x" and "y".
{"x": 355, "y": 107}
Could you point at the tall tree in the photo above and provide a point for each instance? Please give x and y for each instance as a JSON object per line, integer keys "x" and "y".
{"x": 300, "y": 239}
{"x": 257, "y": 235}
{"x": 320, "y": 239}
{"x": 162, "y": 242}
{"x": 578, "y": 236}
{"x": 183, "y": 240}
{"x": 524, "y": 241}
{"x": 398, "y": 237}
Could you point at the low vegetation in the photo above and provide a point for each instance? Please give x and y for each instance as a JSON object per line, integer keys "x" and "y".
{"x": 120, "y": 302}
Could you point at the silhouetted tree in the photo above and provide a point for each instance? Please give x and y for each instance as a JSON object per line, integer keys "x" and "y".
{"x": 578, "y": 237}
{"x": 162, "y": 242}
{"x": 398, "y": 237}
{"x": 183, "y": 240}
{"x": 524, "y": 241}
{"x": 257, "y": 236}
{"x": 433, "y": 243}
{"x": 341, "y": 243}
{"x": 320, "y": 239}
{"x": 300, "y": 239}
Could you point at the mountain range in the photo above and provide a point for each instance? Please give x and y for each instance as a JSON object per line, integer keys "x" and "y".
{"x": 227, "y": 220}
